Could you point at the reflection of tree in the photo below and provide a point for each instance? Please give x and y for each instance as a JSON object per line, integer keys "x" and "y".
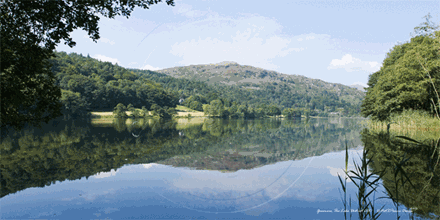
{"x": 246, "y": 144}
{"x": 75, "y": 149}
{"x": 421, "y": 190}
{"x": 36, "y": 158}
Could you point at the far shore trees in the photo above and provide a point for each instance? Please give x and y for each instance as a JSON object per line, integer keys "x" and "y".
{"x": 119, "y": 111}
{"x": 291, "y": 113}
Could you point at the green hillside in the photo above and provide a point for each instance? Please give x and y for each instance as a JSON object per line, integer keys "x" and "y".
{"x": 255, "y": 86}
{"x": 89, "y": 84}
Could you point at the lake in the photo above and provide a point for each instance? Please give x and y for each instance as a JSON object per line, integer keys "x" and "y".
{"x": 207, "y": 169}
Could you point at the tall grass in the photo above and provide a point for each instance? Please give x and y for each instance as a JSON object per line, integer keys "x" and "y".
{"x": 407, "y": 122}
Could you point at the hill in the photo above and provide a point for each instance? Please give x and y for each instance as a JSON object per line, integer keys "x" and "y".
{"x": 96, "y": 85}
{"x": 284, "y": 90}
{"x": 359, "y": 87}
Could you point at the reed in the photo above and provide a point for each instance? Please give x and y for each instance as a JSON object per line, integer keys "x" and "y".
{"x": 367, "y": 184}
{"x": 408, "y": 121}
{"x": 344, "y": 184}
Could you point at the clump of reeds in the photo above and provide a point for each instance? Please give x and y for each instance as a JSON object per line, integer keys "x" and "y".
{"x": 410, "y": 123}
{"x": 366, "y": 183}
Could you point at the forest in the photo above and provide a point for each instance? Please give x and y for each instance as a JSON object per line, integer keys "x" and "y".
{"x": 88, "y": 84}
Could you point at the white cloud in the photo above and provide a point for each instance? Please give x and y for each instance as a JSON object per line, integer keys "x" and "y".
{"x": 102, "y": 39}
{"x": 350, "y": 64}
{"x": 149, "y": 67}
{"x": 252, "y": 40}
{"x": 105, "y": 40}
{"x": 187, "y": 11}
{"x": 105, "y": 59}
{"x": 360, "y": 83}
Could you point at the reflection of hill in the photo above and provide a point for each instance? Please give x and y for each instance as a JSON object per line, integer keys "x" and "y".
{"x": 254, "y": 147}
{"x": 72, "y": 150}
{"x": 37, "y": 158}
{"x": 421, "y": 168}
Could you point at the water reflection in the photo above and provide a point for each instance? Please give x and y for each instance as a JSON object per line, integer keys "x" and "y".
{"x": 410, "y": 171}
{"x": 211, "y": 166}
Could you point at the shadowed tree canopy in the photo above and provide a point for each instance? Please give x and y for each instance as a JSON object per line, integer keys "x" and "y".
{"x": 30, "y": 31}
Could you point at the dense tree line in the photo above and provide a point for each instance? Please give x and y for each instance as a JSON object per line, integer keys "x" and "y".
{"x": 88, "y": 84}
{"x": 197, "y": 93}
{"x": 409, "y": 77}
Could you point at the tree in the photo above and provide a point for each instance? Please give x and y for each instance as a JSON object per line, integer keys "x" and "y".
{"x": 408, "y": 78}
{"x": 163, "y": 112}
{"x": 217, "y": 108}
{"x": 273, "y": 110}
{"x": 29, "y": 32}
{"x": 291, "y": 113}
{"x": 119, "y": 111}
{"x": 196, "y": 105}
{"x": 145, "y": 111}
{"x": 73, "y": 104}
{"x": 28, "y": 90}
{"x": 207, "y": 109}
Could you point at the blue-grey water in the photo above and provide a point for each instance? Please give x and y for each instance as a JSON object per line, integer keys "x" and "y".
{"x": 213, "y": 169}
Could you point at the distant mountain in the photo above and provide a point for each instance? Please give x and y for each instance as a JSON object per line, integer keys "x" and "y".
{"x": 359, "y": 86}
{"x": 285, "y": 90}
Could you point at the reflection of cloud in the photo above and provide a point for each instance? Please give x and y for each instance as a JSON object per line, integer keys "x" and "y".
{"x": 105, "y": 59}
{"x": 350, "y": 64}
{"x": 109, "y": 210}
{"x": 90, "y": 196}
{"x": 336, "y": 171}
{"x": 105, "y": 174}
{"x": 149, "y": 165}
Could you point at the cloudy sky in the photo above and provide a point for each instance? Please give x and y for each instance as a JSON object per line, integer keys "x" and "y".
{"x": 338, "y": 41}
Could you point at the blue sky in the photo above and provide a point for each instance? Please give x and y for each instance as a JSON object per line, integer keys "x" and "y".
{"x": 337, "y": 41}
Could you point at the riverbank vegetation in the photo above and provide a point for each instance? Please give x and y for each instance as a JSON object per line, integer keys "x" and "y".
{"x": 405, "y": 91}
{"x": 401, "y": 144}
{"x": 410, "y": 123}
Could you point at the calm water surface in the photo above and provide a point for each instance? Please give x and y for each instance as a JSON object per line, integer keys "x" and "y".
{"x": 182, "y": 169}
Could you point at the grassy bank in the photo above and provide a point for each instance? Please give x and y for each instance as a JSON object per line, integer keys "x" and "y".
{"x": 408, "y": 123}
{"x": 182, "y": 111}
